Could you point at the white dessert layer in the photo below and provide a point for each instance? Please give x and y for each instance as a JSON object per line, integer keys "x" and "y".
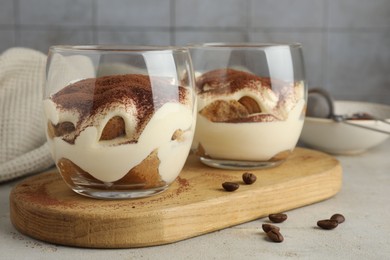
{"x": 250, "y": 141}
{"x": 108, "y": 162}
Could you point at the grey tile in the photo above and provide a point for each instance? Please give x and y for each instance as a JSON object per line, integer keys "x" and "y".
{"x": 206, "y": 13}
{"x": 359, "y": 13}
{"x": 381, "y": 97}
{"x": 133, "y": 13}
{"x": 359, "y": 65}
{"x": 7, "y": 39}
{"x": 7, "y": 12}
{"x": 56, "y": 13}
{"x": 43, "y": 39}
{"x": 190, "y": 36}
{"x": 287, "y": 13}
{"x": 144, "y": 37}
{"x": 312, "y": 46}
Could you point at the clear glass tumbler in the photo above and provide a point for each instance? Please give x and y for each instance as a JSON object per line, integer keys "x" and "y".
{"x": 119, "y": 119}
{"x": 251, "y": 103}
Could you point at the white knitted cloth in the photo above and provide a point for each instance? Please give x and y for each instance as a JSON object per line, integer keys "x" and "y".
{"x": 23, "y": 146}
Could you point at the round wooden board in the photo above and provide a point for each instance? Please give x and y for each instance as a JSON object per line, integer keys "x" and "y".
{"x": 43, "y": 207}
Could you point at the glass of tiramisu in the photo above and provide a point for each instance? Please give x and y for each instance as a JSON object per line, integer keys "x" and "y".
{"x": 119, "y": 119}
{"x": 251, "y": 103}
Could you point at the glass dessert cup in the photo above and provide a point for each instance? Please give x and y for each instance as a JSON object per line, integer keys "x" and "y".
{"x": 119, "y": 119}
{"x": 251, "y": 103}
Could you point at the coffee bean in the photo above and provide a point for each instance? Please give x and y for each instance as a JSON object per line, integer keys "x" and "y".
{"x": 249, "y": 178}
{"x": 275, "y": 235}
{"x": 338, "y": 217}
{"x": 277, "y": 218}
{"x": 327, "y": 223}
{"x": 268, "y": 227}
{"x": 230, "y": 186}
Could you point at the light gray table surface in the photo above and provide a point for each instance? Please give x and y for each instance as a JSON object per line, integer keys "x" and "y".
{"x": 364, "y": 200}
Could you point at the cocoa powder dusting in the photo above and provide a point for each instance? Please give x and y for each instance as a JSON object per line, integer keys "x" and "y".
{"x": 183, "y": 185}
{"x": 180, "y": 186}
{"x": 223, "y": 81}
{"x": 37, "y": 193}
{"x": 96, "y": 95}
{"x": 90, "y": 96}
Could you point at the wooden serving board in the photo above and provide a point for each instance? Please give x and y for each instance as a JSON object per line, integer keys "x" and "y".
{"x": 43, "y": 207}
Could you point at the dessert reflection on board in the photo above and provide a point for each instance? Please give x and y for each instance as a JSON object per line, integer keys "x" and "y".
{"x": 125, "y": 134}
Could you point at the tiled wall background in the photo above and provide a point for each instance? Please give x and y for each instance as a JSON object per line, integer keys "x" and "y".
{"x": 346, "y": 42}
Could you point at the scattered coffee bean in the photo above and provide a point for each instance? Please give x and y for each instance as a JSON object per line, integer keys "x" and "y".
{"x": 327, "y": 223}
{"x": 230, "y": 186}
{"x": 338, "y": 217}
{"x": 249, "y": 178}
{"x": 275, "y": 235}
{"x": 268, "y": 227}
{"x": 277, "y": 218}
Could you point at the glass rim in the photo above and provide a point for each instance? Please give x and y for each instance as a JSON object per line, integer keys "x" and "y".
{"x": 244, "y": 45}
{"x": 103, "y": 48}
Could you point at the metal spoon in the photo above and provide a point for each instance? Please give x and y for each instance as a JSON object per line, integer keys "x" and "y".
{"x": 320, "y": 104}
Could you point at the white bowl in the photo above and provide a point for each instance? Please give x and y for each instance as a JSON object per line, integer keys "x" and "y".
{"x": 340, "y": 138}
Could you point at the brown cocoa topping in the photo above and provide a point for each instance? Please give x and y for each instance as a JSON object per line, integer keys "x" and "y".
{"x": 96, "y": 95}
{"x": 88, "y": 95}
{"x": 223, "y": 81}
